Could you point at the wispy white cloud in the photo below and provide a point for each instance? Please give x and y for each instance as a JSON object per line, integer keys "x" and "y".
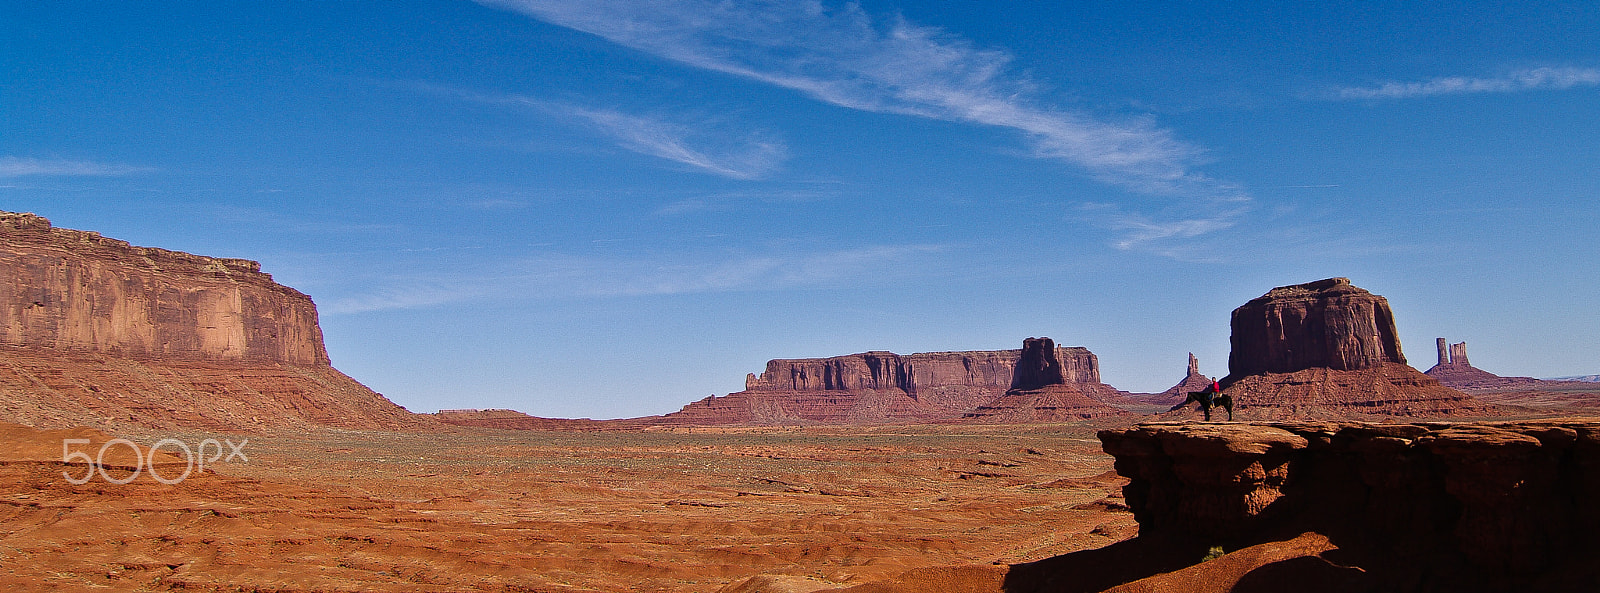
{"x": 702, "y": 145}
{"x": 1180, "y": 234}
{"x": 1142, "y": 231}
{"x": 842, "y": 56}
{"x": 11, "y": 166}
{"x": 1522, "y": 80}
{"x": 748, "y": 158}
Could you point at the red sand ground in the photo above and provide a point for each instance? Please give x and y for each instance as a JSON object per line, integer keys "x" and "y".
{"x": 484, "y": 510}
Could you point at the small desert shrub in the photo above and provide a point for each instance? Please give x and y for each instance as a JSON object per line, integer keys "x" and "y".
{"x": 1214, "y": 553}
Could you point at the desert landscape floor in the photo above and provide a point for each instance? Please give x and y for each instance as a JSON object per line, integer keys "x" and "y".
{"x": 487, "y": 510}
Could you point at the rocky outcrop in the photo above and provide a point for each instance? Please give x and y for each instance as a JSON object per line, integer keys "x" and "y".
{"x": 1330, "y": 507}
{"x": 98, "y": 332}
{"x": 1455, "y": 371}
{"x": 1327, "y": 350}
{"x": 1410, "y": 507}
{"x": 1323, "y": 324}
{"x": 1041, "y": 392}
{"x": 1037, "y": 366}
{"x": 878, "y": 387}
{"x": 77, "y": 290}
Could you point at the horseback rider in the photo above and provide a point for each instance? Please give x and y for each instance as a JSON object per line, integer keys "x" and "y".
{"x": 1211, "y": 397}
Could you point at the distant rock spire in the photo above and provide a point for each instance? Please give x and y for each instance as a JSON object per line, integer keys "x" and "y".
{"x": 1452, "y": 354}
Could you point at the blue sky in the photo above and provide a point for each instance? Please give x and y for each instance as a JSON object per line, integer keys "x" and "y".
{"x": 608, "y": 209}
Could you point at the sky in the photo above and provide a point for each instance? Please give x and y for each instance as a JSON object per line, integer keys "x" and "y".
{"x": 609, "y": 209}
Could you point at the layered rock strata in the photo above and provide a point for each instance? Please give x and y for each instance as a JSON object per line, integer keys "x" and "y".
{"x": 100, "y": 332}
{"x": 76, "y": 290}
{"x": 1330, "y": 507}
{"x": 1375, "y": 393}
{"x": 914, "y": 373}
{"x": 877, "y": 387}
{"x": 1454, "y": 370}
{"x": 1410, "y": 507}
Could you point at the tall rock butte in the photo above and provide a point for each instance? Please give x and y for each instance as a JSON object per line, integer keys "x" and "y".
{"x": 880, "y": 387}
{"x": 1328, "y": 350}
{"x": 99, "y": 332}
{"x": 1327, "y": 324}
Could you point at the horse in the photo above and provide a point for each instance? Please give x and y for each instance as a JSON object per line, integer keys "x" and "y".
{"x": 1210, "y": 399}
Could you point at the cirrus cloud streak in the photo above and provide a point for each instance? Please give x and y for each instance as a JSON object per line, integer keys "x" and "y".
{"x": 844, "y": 57}
{"x": 1522, "y": 80}
{"x": 12, "y": 166}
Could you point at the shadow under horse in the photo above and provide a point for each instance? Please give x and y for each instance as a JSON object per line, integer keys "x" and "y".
{"x": 1210, "y": 399}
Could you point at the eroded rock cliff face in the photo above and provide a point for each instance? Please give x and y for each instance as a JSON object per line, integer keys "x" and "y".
{"x": 1541, "y": 395}
{"x": 1408, "y": 507}
{"x": 76, "y": 290}
{"x": 914, "y": 373}
{"x": 1327, "y": 324}
{"x": 97, "y": 332}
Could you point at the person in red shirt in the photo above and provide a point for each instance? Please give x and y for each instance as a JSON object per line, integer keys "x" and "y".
{"x": 1211, "y": 397}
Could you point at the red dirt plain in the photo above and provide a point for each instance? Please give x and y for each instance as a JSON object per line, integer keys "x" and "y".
{"x": 489, "y": 510}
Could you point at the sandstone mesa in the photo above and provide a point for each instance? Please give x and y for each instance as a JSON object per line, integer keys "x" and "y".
{"x": 102, "y": 333}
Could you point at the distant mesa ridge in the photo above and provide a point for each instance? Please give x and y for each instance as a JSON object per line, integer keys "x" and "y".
{"x": 914, "y": 373}
{"x": 878, "y": 387}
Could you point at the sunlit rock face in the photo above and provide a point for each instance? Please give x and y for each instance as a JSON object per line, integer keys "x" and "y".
{"x": 1323, "y": 324}
{"x": 76, "y": 290}
{"x": 97, "y": 332}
